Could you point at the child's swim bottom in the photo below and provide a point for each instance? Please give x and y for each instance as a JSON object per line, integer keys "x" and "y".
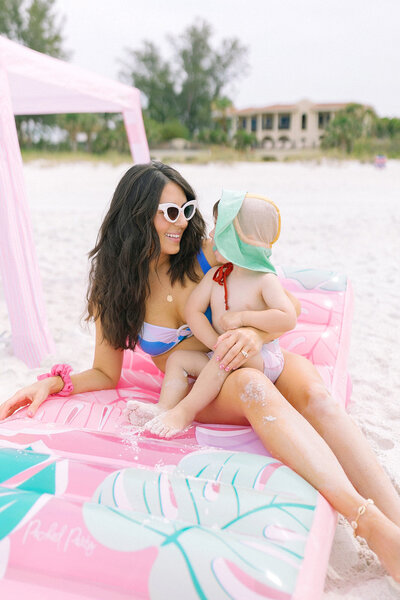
{"x": 273, "y": 360}
{"x": 272, "y": 357}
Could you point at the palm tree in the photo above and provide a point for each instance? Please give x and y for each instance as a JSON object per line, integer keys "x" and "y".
{"x": 349, "y": 124}
{"x": 221, "y": 111}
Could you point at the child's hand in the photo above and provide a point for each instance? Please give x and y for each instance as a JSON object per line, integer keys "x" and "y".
{"x": 231, "y": 320}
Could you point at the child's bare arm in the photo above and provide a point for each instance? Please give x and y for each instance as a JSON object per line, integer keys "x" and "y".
{"x": 195, "y": 308}
{"x": 295, "y": 301}
{"x": 280, "y": 315}
{"x": 278, "y": 318}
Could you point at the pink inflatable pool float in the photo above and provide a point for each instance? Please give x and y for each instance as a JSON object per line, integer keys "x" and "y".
{"x": 91, "y": 509}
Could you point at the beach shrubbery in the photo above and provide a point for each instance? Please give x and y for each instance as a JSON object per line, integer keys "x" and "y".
{"x": 244, "y": 140}
{"x": 359, "y": 133}
{"x": 185, "y": 106}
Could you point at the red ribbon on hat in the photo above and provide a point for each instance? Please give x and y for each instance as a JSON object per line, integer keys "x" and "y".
{"x": 221, "y": 275}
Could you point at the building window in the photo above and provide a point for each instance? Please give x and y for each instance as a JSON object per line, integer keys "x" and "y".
{"x": 242, "y": 123}
{"x": 284, "y": 121}
{"x": 323, "y": 119}
{"x": 304, "y": 121}
{"x": 268, "y": 121}
{"x": 254, "y": 123}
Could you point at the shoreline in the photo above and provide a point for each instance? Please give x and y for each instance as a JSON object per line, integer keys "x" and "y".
{"x": 204, "y": 156}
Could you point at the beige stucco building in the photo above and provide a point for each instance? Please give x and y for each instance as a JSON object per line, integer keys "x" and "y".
{"x": 284, "y": 126}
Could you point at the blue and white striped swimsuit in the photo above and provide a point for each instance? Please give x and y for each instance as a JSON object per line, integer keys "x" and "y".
{"x": 155, "y": 339}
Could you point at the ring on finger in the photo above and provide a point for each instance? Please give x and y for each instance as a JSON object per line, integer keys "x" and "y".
{"x": 245, "y": 354}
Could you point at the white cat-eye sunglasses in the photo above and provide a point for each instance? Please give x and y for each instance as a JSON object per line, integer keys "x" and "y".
{"x": 172, "y": 212}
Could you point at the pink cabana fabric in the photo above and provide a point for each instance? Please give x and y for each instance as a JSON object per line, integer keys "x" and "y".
{"x": 33, "y": 83}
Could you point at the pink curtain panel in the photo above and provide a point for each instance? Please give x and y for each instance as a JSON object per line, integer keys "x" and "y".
{"x": 33, "y": 83}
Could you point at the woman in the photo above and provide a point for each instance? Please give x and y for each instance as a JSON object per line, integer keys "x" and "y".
{"x": 150, "y": 253}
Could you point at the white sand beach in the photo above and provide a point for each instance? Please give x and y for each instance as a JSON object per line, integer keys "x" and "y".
{"x": 343, "y": 216}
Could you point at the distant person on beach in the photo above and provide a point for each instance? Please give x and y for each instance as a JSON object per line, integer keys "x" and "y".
{"x": 246, "y": 228}
{"x": 151, "y": 252}
{"x": 380, "y": 161}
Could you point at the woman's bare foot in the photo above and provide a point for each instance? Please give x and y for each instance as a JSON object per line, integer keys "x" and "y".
{"x": 170, "y": 423}
{"x": 139, "y": 413}
{"x": 383, "y": 537}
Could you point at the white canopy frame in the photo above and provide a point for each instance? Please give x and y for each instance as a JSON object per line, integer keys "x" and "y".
{"x": 32, "y": 83}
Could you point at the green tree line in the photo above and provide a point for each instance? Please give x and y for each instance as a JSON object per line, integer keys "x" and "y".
{"x": 185, "y": 88}
{"x": 357, "y": 129}
{"x": 179, "y": 94}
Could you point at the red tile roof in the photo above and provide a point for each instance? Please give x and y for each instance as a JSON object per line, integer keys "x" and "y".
{"x": 265, "y": 109}
{"x": 333, "y": 105}
{"x": 287, "y": 108}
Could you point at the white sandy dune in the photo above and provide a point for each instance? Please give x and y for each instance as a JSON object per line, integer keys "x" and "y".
{"x": 343, "y": 216}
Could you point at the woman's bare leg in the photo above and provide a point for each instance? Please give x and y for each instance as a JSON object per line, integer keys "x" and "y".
{"x": 247, "y": 396}
{"x": 301, "y": 384}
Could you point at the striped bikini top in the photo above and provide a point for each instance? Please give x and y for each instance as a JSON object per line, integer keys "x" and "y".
{"x": 155, "y": 339}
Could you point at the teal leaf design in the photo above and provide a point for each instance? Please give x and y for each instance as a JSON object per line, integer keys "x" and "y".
{"x": 29, "y": 480}
{"x": 14, "y": 461}
{"x": 219, "y": 517}
{"x": 15, "y": 507}
{"x": 310, "y": 279}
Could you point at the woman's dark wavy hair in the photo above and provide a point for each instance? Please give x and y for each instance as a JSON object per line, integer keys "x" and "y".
{"x": 126, "y": 244}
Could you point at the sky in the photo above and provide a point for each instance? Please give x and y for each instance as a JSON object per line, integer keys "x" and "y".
{"x": 323, "y": 50}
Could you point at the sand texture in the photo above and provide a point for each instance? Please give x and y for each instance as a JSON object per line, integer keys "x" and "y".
{"x": 341, "y": 216}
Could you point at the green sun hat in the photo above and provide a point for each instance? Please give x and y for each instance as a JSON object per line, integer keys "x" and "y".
{"x": 247, "y": 226}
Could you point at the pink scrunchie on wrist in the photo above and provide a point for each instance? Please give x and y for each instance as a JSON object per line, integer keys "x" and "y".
{"x": 62, "y": 371}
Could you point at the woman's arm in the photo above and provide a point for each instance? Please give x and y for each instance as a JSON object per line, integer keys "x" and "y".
{"x": 106, "y": 370}
{"x": 104, "y": 374}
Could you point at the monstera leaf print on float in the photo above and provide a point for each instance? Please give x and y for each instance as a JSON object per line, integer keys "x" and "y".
{"x": 28, "y": 480}
{"x": 316, "y": 279}
{"x": 317, "y": 335}
{"x": 220, "y": 527}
